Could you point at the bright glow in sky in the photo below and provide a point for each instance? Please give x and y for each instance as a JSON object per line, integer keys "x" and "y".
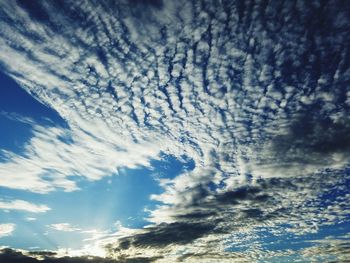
{"x": 174, "y": 131}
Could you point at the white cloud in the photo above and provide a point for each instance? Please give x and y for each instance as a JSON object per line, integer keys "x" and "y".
{"x": 193, "y": 82}
{"x": 23, "y": 206}
{"x": 95, "y": 153}
{"x": 6, "y": 229}
{"x": 65, "y": 227}
{"x": 30, "y": 219}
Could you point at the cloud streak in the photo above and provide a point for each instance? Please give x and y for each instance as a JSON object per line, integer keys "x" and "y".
{"x": 6, "y": 229}
{"x": 23, "y": 206}
{"x": 65, "y": 227}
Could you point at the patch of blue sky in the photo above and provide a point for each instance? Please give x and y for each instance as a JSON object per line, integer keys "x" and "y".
{"x": 123, "y": 198}
{"x": 168, "y": 166}
{"x": 265, "y": 239}
{"x": 292, "y": 241}
{"x": 32, "y": 235}
{"x": 16, "y": 105}
{"x": 337, "y": 191}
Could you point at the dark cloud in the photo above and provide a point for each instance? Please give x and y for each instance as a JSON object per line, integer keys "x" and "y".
{"x": 42, "y": 253}
{"x": 315, "y": 138}
{"x": 242, "y": 193}
{"x": 167, "y": 234}
{"x": 198, "y": 219}
{"x": 312, "y": 132}
{"x": 153, "y": 3}
{"x": 8, "y": 255}
{"x": 216, "y": 257}
{"x": 276, "y": 201}
{"x": 12, "y": 256}
{"x": 35, "y": 9}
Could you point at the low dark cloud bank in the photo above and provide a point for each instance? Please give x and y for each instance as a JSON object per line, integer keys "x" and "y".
{"x": 274, "y": 202}
{"x": 8, "y": 255}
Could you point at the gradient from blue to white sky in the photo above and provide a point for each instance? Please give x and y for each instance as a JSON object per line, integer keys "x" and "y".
{"x": 187, "y": 131}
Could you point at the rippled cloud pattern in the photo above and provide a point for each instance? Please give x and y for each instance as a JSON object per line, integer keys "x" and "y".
{"x": 256, "y": 93}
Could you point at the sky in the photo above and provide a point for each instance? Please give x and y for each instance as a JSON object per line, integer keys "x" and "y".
{"x": 174, "y": 131}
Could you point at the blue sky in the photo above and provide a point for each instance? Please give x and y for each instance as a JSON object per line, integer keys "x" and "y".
{"x": 174, "y": 131}
{"x": 121, "y": 197}
{"x": 15, "y": 102}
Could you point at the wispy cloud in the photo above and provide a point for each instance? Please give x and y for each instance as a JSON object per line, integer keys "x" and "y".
{"x": 30, "y": 218}
{"x": 23, "y": 206}
{"x": 55, "y": 154}
{"x": 6, "y": 229}
{"x": 65, "y": 227}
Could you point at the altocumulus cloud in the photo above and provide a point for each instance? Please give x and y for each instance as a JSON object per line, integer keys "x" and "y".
{"x": 23, "y": 205}
{"x": 255, "y": 92}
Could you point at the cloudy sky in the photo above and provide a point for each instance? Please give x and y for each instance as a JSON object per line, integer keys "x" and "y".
{"x": 174, "y": 131}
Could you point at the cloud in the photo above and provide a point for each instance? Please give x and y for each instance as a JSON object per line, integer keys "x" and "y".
{"x": 6, "y": 229}
{"x": 166, "y": 234}
{"x": 48, "y": 163}
{"x": 23, "y": 206}
{"x": 329, "y": 249}
{"x": 30, "y": 218}
{"x": 313, "y": 140}
{"x": 284, "y": 206}
{"x": 20, "y": 256}
{"x": 255, "y": 93}
{"x": 65, "y": 227}
{"x": 214, "y": 101}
